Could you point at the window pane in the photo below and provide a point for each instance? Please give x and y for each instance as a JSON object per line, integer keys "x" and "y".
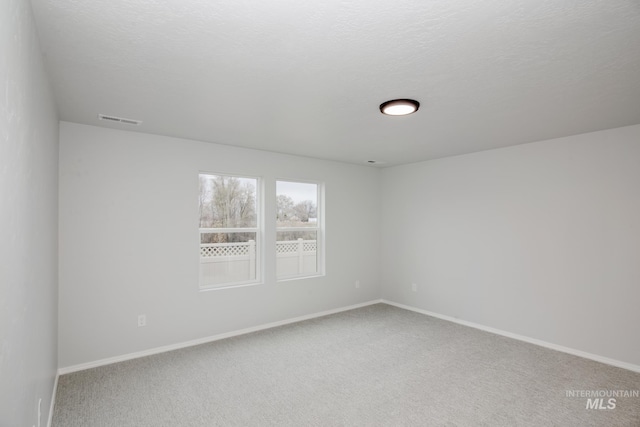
{"x": 297, "y": 253}
{"x": 227, "y": 201}
{"x": 227, "y": 258}
{"x": 297, "y": 204}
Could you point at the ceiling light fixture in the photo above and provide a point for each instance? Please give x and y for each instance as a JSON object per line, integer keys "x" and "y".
{"x": 399, "y": 107}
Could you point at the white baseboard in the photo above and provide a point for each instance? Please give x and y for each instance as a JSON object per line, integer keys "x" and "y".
{"x": 574, "y": 352}
{"x": 157, "y": 350}
{"x": 53, "y": 400}
{"x": 152, "y": 351}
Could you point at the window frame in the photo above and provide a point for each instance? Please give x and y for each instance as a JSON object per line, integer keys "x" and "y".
{"x": 258, "y": 230}
{"x": 319, "y": 229}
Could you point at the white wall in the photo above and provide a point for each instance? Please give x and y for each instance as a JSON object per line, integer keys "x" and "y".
{"x": 541, "y": 240}
{"x": 28, "y": 222}
{"x": 129, "y": 242}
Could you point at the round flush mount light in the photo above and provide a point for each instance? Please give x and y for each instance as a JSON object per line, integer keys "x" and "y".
{"x": 399, "y": 107}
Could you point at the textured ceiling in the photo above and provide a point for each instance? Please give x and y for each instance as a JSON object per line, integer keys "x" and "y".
{"x": 307, "y": 78}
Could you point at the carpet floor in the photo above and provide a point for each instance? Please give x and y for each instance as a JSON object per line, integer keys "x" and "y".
{"x": 374, "y": 366}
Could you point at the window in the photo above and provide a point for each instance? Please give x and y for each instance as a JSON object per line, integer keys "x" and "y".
{"x": 299, "y": 233}
{"x": 229, "y": 231}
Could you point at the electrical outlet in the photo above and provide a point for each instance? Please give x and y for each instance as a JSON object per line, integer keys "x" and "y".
{"x": 357, "y": 283}
{"x": 142, "y": 320}
{"x": 414, "y": 287}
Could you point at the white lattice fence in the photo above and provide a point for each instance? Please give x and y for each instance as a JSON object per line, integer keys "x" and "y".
{"x": 296, "y": 257}
{"x": 242, "y": 249}
{"x": 222, "y": 262}
{"x": 225, "y": 249}
{"x": 286, "y": 247}
{"x": 294, "y": 246}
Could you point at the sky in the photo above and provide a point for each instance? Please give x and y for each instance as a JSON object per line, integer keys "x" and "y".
{"x": 298, "y": 191}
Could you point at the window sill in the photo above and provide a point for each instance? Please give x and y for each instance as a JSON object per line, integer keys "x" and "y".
{"x": 308, "y": 276}
{"x": 228, "y": 286}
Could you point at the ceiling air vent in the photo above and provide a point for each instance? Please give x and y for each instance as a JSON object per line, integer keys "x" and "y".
{"x": 119, "y": 119}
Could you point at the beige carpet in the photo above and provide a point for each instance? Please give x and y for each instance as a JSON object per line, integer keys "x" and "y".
{"x": 374, "y": 366}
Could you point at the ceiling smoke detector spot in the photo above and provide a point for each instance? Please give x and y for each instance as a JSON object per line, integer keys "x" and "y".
{"x": 119, "y": 120}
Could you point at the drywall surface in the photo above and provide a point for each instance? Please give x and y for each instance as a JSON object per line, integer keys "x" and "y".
{"x": 489, "y": 73}
{"x": 130, "y": 243}
{"x": 541, "y": 240}
{"x": 28, "y": 222}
